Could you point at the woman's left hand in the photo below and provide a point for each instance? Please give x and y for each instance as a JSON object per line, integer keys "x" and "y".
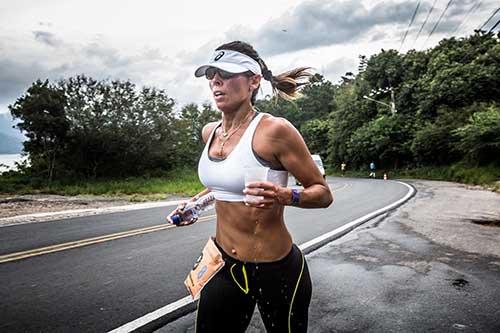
{"x": 267, "y": 195}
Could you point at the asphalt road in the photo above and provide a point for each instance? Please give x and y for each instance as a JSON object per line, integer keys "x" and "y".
{"x": 424, "y": 267}
{"x": 99, "y": 287}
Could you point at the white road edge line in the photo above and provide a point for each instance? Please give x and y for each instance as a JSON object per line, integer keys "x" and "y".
{"x": 328, "y": 237}
{"x": 155, "y": 315}
{"x": 186, "y": 304}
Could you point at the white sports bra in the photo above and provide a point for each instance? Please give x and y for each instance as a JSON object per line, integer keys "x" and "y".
{"x": 226, "y": 177}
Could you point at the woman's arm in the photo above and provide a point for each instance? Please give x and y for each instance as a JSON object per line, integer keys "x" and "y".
{"x": 183, "y": 204}
{"x": 199, "y": 195}
{"x": 280, "y": 139}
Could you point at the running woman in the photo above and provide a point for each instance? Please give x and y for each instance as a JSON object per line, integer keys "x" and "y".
{"x": 263, "y": 266}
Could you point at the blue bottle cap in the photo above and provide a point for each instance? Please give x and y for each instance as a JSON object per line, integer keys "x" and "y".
{"x": 176, "y": 219}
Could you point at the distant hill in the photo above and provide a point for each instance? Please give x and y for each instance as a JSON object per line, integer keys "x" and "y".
{"x": 11, "y": 139}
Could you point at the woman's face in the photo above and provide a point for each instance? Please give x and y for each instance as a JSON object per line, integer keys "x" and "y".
{"x": 230, "y": 94}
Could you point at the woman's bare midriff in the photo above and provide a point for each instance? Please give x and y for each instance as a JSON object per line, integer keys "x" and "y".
{"x": 252, "y": 234}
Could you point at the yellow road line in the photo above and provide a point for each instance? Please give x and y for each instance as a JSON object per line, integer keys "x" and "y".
{"x": 88, "y": 241}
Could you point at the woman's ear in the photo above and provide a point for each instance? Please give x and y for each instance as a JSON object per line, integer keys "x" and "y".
{"x": 255, "y": 82}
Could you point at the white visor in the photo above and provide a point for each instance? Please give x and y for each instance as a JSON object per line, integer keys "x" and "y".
{"x": 230, "y": 61}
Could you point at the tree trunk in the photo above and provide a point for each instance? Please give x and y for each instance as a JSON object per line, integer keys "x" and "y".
{"x": 52, "y": 163}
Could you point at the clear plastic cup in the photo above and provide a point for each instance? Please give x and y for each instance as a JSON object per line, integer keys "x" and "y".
{"x": 256, "y": 174}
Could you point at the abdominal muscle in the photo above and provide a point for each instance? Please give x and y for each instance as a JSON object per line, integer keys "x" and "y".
{"x": 252, "y": 234}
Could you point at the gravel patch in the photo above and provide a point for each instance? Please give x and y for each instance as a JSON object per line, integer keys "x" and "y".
{"x": 24, "y": 209}
{"x": 29, "y": 204}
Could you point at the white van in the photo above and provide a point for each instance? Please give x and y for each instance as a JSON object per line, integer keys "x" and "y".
{"x": 319, "y": 164}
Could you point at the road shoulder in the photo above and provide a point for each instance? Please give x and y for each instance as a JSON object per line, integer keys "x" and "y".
{"x": 43, "y": 208}
{"x": 427, "y": 267}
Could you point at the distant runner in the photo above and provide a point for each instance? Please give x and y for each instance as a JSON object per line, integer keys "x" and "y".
{"x": 372, "y": 169}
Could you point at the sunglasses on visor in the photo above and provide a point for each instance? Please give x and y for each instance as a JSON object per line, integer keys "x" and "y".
{"x": 225, "y": 75}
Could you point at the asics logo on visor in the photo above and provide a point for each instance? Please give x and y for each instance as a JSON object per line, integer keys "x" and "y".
{"x": 219, "y": 55}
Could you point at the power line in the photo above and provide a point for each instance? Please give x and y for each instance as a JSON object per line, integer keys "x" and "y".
{"x": 425, "y": 21}
{"x": 489, "y": 18}
{"x": 409, "y": 25}
{"x": 472, "y": 9}
{"x": 438, "y": 21}
{"x": 493, "y": 28}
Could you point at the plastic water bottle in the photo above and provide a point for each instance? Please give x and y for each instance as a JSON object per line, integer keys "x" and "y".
{"x": 192, "y": 210}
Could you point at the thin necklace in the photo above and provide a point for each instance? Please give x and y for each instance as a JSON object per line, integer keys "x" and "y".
{"x": 225, "y": 136}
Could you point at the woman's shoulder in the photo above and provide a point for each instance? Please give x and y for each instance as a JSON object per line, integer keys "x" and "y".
{"x": 275, "y": 136}
{"x": 207, "y": 130}
{"x": 275, "y": 126}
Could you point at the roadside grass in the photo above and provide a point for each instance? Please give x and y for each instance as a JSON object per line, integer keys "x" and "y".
{"x": 486, "y": 176}
{"x": 183, "y": 182}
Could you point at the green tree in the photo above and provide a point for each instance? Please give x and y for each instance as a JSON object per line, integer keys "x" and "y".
{"x": 384, "y": 70}
{"x": 117, "y": 130}
{"x": 43, "y": 120}
{"x": 479, "y": 139}
{"x": 280, "y": 108}
{"x": 386, "y": 139}
{"x": 315, "y": 133}
{"x": 436, "y": 91}
{"x": 317, "y": 100}
{"x": 349, "y": 112}
{"x": 434, "y": 142}
{"x": 190, "y": 126}
{"x": 461, "y": 72}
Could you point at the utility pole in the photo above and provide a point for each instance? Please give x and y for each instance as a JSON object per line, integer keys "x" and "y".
{"x": 393, "y": 103}
{"x": 392, "y": 106}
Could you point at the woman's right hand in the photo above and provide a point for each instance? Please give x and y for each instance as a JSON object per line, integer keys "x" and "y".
{"x": 177, "y": 210}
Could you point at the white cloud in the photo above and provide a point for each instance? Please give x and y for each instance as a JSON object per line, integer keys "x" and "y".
{"x": 47, "y": 38}
{"x": 160, "y": 43}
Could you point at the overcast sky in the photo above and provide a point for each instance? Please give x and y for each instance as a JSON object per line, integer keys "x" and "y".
{"x": 160, "y": 43}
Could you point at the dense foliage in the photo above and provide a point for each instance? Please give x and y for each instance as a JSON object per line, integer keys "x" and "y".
{"x": 85, "y": 128}
{"x": 446, "y": 102}
{"x": 446, "y": 111}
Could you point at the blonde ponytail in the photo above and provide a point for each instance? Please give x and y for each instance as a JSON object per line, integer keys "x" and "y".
{"x": 288, "y": 85}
